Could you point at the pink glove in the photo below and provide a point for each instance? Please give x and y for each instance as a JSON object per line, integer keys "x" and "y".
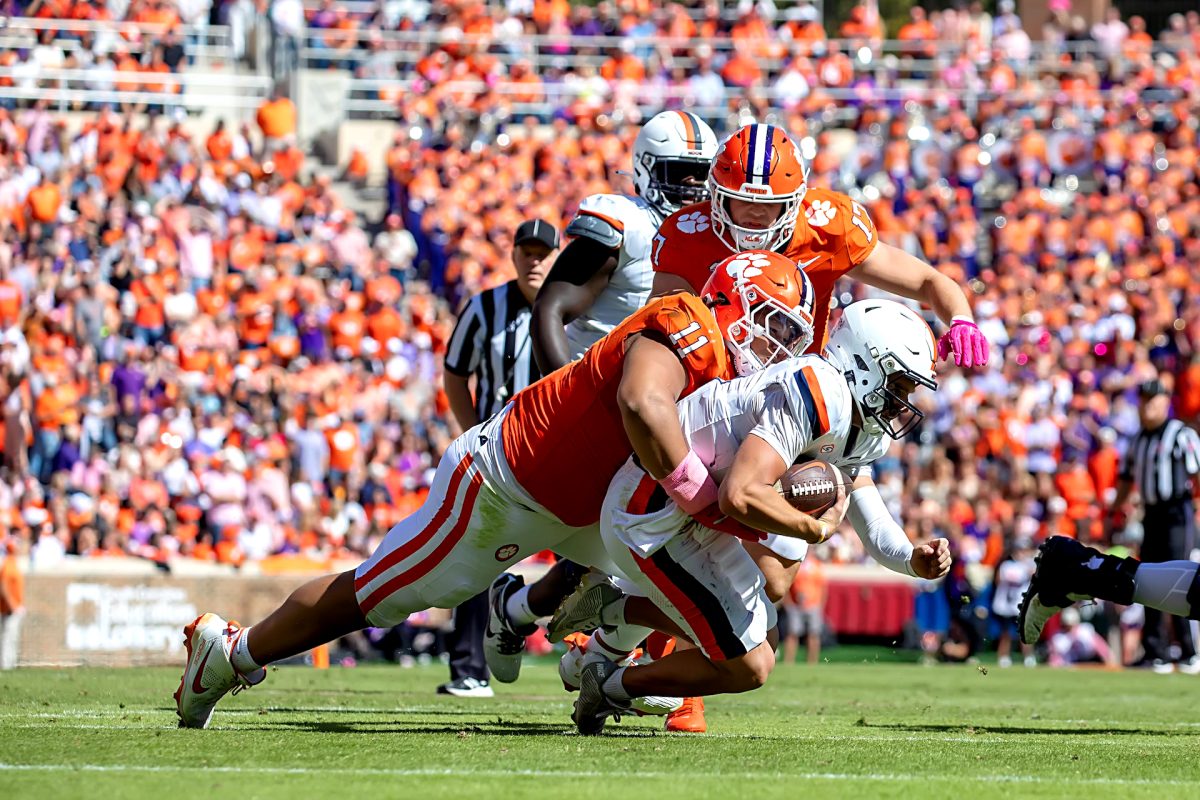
{"x": 966, "y": 342}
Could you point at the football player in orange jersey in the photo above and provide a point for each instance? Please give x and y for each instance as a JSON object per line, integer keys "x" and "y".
{"x": 758, "y": 189}
{"x": 533, "y": 477}
{"x": 760, "y": 198}
{"x": 602, "y": 277}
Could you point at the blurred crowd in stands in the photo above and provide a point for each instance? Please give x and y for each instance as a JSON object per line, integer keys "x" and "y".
{"x": 205, "y": 353}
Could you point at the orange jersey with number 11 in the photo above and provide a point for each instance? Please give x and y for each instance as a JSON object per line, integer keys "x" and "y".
{"x": 564, "y": 438}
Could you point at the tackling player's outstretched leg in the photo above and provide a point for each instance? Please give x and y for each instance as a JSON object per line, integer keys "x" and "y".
{"x": 1069, "y": 571}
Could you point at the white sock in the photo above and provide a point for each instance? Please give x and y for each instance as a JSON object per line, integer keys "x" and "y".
{"x": 614, "y": 688}
{"x": 1165, "y": 586}
{"x": 613, "y": 614}
{"x": 612, "y": 652}
{"x": 622, "y": 639}
{"x": 240, "y": 657}
{"x": 517, "y": 608}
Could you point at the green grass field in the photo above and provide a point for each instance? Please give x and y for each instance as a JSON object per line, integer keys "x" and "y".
{"x": 835, "y": 730}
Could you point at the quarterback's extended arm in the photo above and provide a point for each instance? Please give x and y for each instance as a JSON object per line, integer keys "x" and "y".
{"x": 886, "y": 541}
{"x": 893, "y": 270}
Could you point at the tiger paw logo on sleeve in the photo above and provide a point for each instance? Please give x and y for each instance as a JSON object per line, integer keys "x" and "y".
{"x": 694, "y": 222}
{"x": 820, "y": 213}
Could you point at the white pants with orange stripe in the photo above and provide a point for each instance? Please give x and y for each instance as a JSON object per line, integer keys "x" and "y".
{"x": 476, "y": 522}
{"x": 704, "y": 580}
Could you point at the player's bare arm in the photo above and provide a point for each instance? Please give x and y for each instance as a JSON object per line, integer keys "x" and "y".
{"x": 666, "y": 283}
{"x": 887, "y": 542}
{"x": 748, "y": 494}
{"x": 651, "y": 383}
{"x": 893, "y": 270}
{"x": 581, "y": 272}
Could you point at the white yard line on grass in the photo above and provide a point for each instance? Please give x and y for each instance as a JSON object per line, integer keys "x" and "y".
{"x": 493, "y": 773}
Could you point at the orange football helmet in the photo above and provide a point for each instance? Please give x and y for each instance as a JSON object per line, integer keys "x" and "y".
{"x": 763, "y": 304}
{"x": 757, "y": 164}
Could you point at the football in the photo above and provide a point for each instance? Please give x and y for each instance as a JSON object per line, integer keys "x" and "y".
{"x": 811, "y": 487}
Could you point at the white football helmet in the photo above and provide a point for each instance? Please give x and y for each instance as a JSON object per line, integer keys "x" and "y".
{"x": 885, "y": 351}
{"x": 671, "y": 157}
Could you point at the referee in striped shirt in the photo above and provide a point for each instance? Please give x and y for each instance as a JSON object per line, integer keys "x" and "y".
{"x": 490, "y": 358}
{"x": 1161, "y": 463}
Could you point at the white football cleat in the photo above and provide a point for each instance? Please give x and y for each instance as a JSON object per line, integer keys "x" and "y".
{"x": 570, "y": 670}
{"x": 503, "y": 642}
{"x": 583, "y": 609}
{"x": 209, "y": 674}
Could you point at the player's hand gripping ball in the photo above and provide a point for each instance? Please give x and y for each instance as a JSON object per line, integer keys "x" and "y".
{"x": 812, "y": 487}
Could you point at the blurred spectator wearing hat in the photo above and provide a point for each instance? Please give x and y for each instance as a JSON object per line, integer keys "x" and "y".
{"x": 490, "y": 358}
{"x": 1161, "y": 463}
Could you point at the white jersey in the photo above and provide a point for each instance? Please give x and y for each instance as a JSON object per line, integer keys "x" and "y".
{"x": 801, "y": 407}
{"x": 629, "y": 288}
{"x": 1011, "y": 581}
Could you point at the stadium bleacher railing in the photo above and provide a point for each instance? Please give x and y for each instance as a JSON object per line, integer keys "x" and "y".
{"x": 64, "y": 88}
{"x": 205, "y": 44}
{"x": 897, "y": 74}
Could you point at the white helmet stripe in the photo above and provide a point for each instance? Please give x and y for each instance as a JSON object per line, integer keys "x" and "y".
{"x": 759, "y": 158}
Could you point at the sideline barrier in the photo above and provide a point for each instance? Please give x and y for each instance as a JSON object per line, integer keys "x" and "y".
{"x": 126, "y": 613}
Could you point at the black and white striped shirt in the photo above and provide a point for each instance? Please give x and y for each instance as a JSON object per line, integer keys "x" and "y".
{"x": 491, "y": 341}
{"x": 1160, "y": 462}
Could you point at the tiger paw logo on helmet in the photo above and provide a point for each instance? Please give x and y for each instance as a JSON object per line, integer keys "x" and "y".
{"x": 820, "y": 213}
{"x": 693, "y": 222}
{"x": 748, "y": 266}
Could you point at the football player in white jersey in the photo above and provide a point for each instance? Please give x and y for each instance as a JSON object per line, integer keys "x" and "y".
{"x": 845, "y": 408}
{"x": 602, "y": 276}
{"x": 605, "y": 273}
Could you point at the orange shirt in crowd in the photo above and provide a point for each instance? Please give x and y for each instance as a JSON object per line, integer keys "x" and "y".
{"x": 44, "y": 202}
{"x": 219, "y": 145}
{"x": 10, "y": 303}
{"x": 343, "y": 444}
{"x": 347, "y": 328}
{"x": 257, "y": 317}
{"x": 277, "y": 118}
{"x": 14, "y": 585}
{"x": 810, "y": 584}
{"x": 624, "y": 67}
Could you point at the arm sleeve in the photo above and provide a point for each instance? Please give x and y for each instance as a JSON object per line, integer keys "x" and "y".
{"x": 780, "y": 428}
{"x": 463, "y": 354}
{"x": 881, "y": 535}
